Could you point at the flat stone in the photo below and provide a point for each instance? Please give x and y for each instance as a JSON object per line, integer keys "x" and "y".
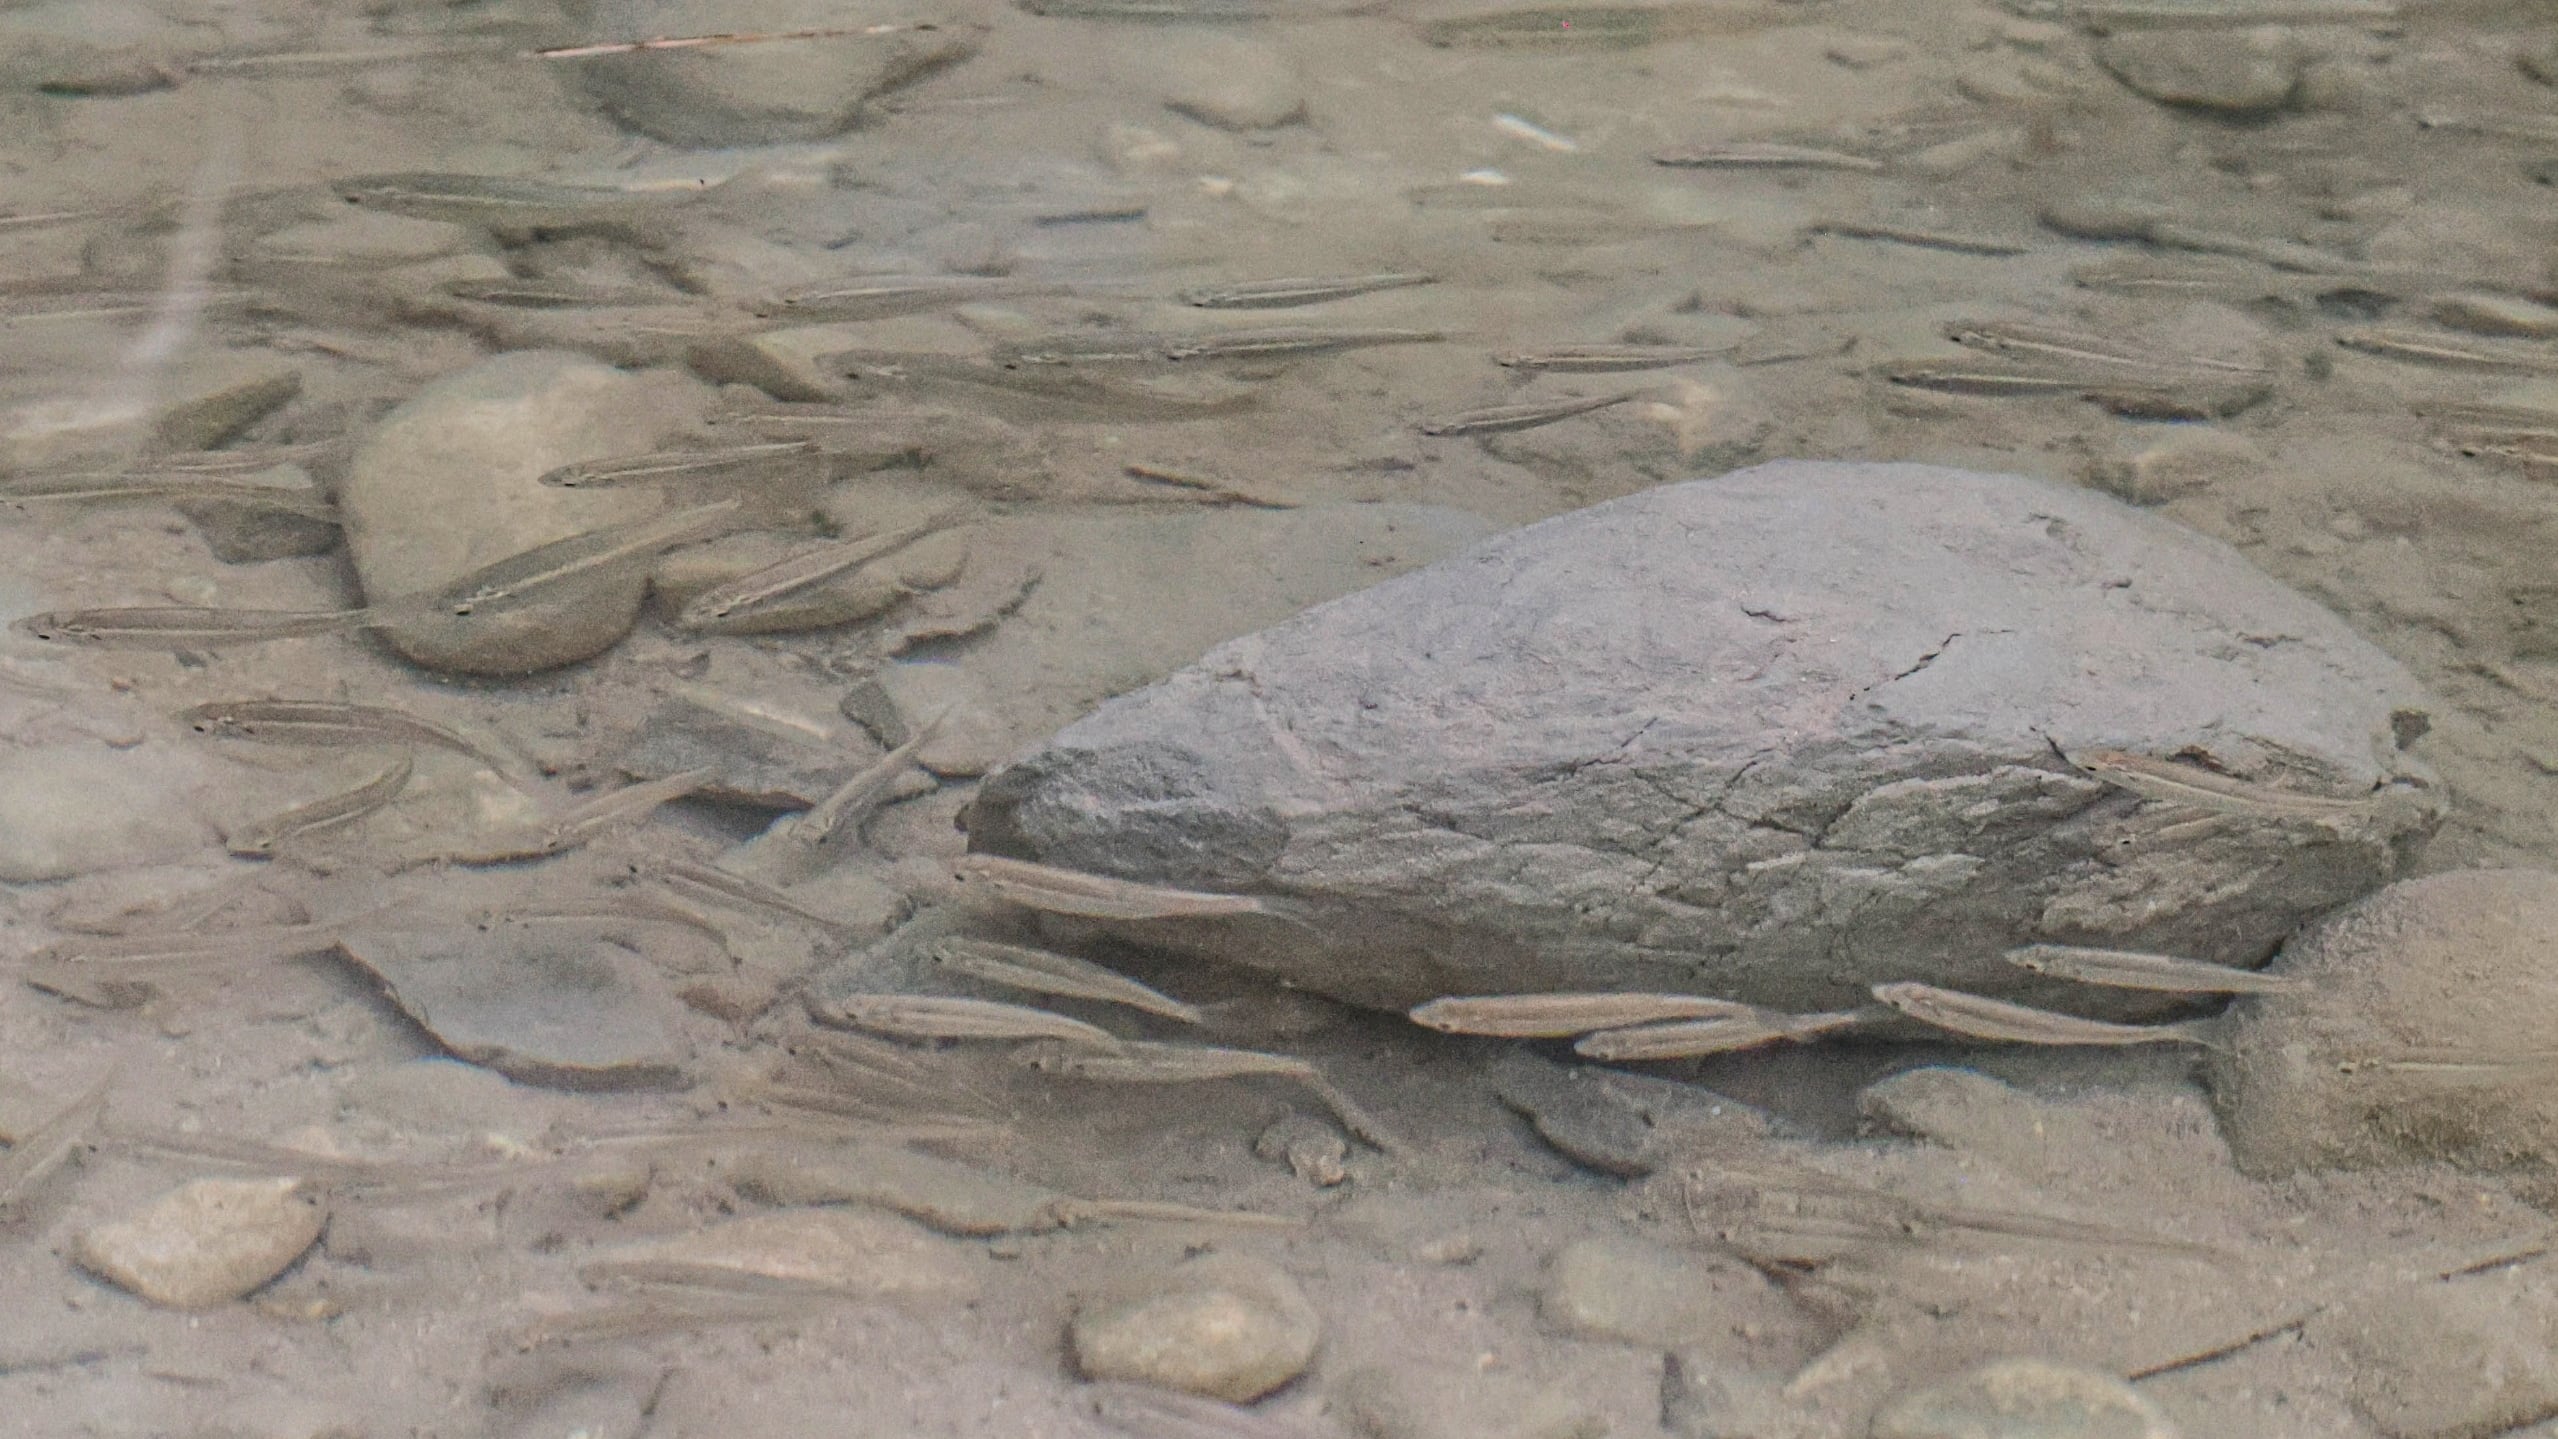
{"x": 839, "y": 1251}
{"x": 1634, "y": 1291}
{"x": 72, "y": 809}
{"x": 207, "y": 1242}
{"x": 1810, "y": 756}
{"x": 723, "y": 95}
{"x": 447, "y": 483}
{"x": 2458, "y": 966}
{"x": 537, "y": 1006}
{"x": 1221, "y": 1325}
{"x": 1587, "y": 1120}
{"x": 2256, "y": 72}
{"x": 2025, "y": 1399}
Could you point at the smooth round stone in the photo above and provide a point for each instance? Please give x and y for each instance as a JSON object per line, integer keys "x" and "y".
{"x": 1223, "y": 1326}
{"x": 2390, "y": 1051}
{"x": 448, "y": 483}
{"x": 2025, "y": 1399}
{"x": 208, "y": 1242}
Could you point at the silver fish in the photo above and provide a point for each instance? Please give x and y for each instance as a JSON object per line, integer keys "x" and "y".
{"x": 2132, "y": 969}
{"x": 1501, "y": 419}
{"x": 1047, "y": 972}
{"x": 264, "y": 836}
{"x": 1561, "y": 1016}
{"x": 1093, "y": 896}
{"x": 1977, "y": 1017}
{"x": 778, "y": 459}
{"x": 1142, "y": 1062}
{"x": 186, "y": 627}
{"x": 1284, "y": 294}
{"x": 922, "y": 1016}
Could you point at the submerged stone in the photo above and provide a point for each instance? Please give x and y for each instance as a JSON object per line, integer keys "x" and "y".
{"x": 1777, "y": 736}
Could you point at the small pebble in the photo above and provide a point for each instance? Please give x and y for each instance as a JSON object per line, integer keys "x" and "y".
{"x": 2025, "y": 1399}
{"x": 1313, "y": 1150}
{"x": 1222, "y": 1325}
{"x": 207, "y": 1242}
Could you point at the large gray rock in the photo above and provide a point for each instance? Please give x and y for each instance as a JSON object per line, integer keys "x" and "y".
{"x": 1779, "y": 736}
{"x": 449, "y": 482}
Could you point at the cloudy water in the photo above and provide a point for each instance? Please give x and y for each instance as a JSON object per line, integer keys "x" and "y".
{"x": 613, "y": 822}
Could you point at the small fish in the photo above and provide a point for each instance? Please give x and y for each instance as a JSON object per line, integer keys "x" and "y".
{"x": 779, "y": 459}
{"x": 880, "y": 297}
{"x": 2132, "y": 969}
{"x": 523, "y": 577}
{"x": 2058, "y": 344}
{"x": 1952, "y": 244}
{"x": 2426, "y": 348}
{"x": 75, "y": 490}
{"x": 186, "y": 627}
{"x": 35, "y": 1155}
{"x": 2199, "y": 788}
{"x": 1054, "y": 890}
{"x": 924, "y": 1016}
{"x": 1501, "y": 419}
{"x": 330, "y": 724}
{"x": 723, "y": 887}
{"x": 1606, "y": 359}
{"x": 1561, "y": 1016}
{"x": 1722, "y": 1034}
{"x": 1303, "y": 290}
{"x": 754, "y": 597}
{"x": 1995, "y": 1019}
{"x": 1589, "y": 27}
{"x": 1744, "y": 155}
{"x": 1289, "y": 341}
{"x": 1046, "y": 972}
{"x": 533, "y": 295}
{"x": 264, "y": 836}
{"x": 581, "y": 823}
{"x": 496, "y": 199}
{"x": 797, "y": 847}
{"x": 1981, "y": 377}
{"x": 1143, "y": 1062}
{"x": 123, "y": 971}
